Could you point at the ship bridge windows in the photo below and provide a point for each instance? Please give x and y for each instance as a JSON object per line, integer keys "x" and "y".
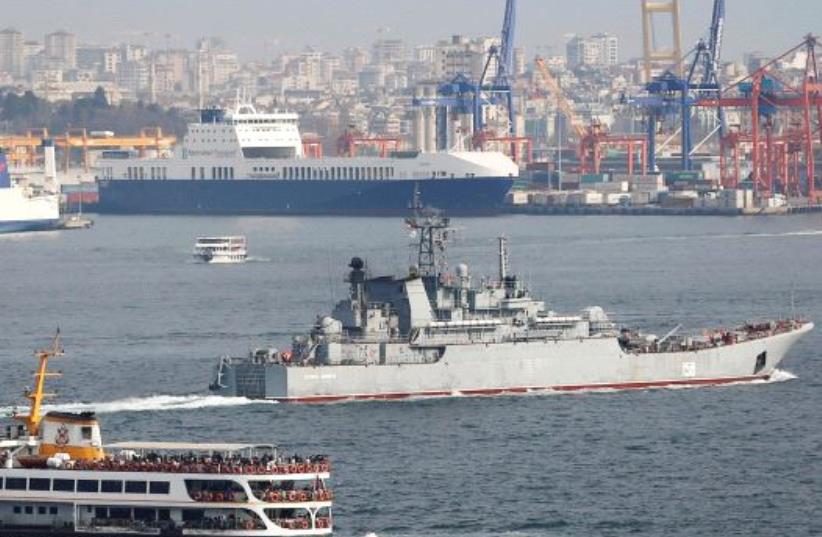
{"x": 136, "y": 487}
{"x": 159, "y": 487}
{"x": 36, "y": 483}
{"x": 63, "y": 485}
{"x": 269, "y": 152}
{"x": 111, "y": 486}
{"x": 88, "y": 485}
{"x": 15, "y": 483}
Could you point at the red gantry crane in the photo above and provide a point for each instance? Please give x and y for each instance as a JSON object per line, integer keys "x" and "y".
{"x": 592, "y": 139}
{"x": 782, "y": 130}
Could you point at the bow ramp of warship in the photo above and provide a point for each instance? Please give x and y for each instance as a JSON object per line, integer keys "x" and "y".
{"x": 433, "y": 333}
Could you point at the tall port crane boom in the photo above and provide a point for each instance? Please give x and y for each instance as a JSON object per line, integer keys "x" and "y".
{"x": 504, "y": 56}
{"x": 562, "y": 101}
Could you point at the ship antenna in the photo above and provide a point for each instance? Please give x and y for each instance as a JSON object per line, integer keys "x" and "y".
{"x": 434, "y": 231}
{"x": 37, "y": 395}
{"x": 503, "y": 258}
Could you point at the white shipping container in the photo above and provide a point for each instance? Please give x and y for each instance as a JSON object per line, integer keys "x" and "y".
{"x": 650, "y": 179}
{"x": 518, "y": 197}
{"x": 749, "y": 198}
{"x": 640, "y": 198}
{"x": 608, "y": 188}
{"x": 538, "y": 198}
{"x": 617, "y": 198}
{"x": 592, "y": 198}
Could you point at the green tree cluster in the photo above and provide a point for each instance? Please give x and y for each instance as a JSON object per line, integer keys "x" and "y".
{"x": 19, "y": 113}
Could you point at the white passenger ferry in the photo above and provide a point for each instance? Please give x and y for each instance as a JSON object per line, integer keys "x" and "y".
{"x": 221, "y": 249}
{"x": 57, "y": 478}
{"x": 244, "y": 161}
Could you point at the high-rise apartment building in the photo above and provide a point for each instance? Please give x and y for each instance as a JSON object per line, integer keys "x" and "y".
{"x": 62, "y": 46}
{"x": 598, "y": 50}
{"x": 11, "y": 52}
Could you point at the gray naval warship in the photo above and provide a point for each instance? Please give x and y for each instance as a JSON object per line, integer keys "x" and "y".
{"x": 436, "y": 333}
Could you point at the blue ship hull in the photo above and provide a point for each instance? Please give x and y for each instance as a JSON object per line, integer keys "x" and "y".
{"x": 466, "y": 196}
{"x": 19, "y": 226}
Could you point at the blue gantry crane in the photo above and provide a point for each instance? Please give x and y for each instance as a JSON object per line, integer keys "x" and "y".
{"x": 504, "y": 56}
{"x": 462, "y": 95}
{"x": 670, "y": 94}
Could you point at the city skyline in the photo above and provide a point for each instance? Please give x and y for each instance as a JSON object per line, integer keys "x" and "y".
{"x": 244, "y": 24}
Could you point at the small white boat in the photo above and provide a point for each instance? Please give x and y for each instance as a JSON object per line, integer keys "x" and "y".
{"x": 221, "y": 249}
{"x": 76, "y": 221}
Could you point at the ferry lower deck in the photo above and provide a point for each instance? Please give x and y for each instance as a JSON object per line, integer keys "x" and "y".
{"x": 458, "y": 196}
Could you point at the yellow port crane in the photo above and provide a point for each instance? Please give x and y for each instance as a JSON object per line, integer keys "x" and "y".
{"x": 22, "y": 148}
{"x": 565, "y": 106}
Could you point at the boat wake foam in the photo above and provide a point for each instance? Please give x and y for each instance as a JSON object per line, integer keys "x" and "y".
{"x": 152, "y": 403}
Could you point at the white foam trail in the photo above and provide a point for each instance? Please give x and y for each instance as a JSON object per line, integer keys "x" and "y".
{"x": 803, "y": 233}
{"x": 780, "y": 375}
{"x": 153, "y": 403}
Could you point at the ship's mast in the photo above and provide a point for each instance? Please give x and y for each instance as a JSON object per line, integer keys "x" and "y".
{"x": 37, "y": 395}
{"x": 434, "y": 230}
{"x": 503, "y": 258}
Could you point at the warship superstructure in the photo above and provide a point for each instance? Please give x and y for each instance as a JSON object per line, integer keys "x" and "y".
{"x": 436, "y": 333}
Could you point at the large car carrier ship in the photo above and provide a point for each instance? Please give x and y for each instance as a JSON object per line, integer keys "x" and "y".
{"x": 249, "y": 162}
{"x": 57, "y": 478}
{"x": 433, "y": 333}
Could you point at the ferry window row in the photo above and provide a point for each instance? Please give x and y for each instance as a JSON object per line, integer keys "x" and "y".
{"x": 217, "y": 172}
{"x": 29, "y": 510}
{"x": 359, "y": 173}
{"x": 146, "y": 172}
{"x": 263, "y": 121}
{"x": 86, "y": 485}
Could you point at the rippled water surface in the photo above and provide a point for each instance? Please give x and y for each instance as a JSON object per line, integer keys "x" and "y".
{"x": 142, "y": 326}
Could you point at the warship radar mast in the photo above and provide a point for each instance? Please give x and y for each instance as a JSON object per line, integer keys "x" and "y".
{"x": 434, "y": 230}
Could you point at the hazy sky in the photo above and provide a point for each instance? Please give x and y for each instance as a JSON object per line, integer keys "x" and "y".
{"x": 259, "y": 28}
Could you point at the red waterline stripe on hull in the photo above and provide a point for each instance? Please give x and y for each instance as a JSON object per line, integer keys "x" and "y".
{"x": 517, "y": 390}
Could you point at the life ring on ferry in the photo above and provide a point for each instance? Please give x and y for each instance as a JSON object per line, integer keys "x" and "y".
{"x": 303, "y": 496}
{"x": 292, "y": 468}
{"x": 303, "y": 524}
{"x": 302, "y": 468}
{"x": 292, "y": 495}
